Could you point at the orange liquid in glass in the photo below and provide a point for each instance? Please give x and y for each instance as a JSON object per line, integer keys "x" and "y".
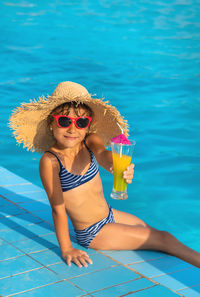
{"x": 120, "y": 163}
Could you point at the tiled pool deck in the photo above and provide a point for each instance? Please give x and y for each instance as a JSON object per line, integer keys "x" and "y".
{"x": 31, "y": 265}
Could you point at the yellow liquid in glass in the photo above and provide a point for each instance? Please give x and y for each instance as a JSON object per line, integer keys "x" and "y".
{"x": 120, "y": 163}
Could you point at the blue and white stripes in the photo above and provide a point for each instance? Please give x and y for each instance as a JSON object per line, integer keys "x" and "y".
{"x": 84, "y": 237}
{"x": 69, "y": 180}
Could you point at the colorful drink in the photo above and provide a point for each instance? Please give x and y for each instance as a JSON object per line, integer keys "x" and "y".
{"x": 120, "y": 163}
{"x": 122, "y": 150}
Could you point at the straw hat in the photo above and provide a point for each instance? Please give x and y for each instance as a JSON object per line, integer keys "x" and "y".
{"x": 29, "y": 121}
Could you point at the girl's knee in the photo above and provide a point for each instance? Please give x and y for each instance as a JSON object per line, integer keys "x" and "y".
{"x": 166, "y": 235}
{"x": 160, "y": 237}
{"x": 165, "y": 238}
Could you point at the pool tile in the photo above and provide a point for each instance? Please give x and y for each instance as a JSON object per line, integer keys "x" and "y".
{"x": 20, "y": 233}
{"x": 17, "y": 265}
{"x": 128, "y": 257}
{"x": 35, "y": 206}
{"x": 45, "y": 215}
{"x": 27, "y": 197}
{"x": 15, "y": 222}
{"x": 40, "y": 228}
{"x": 125, "y": 289}
{"x": 7, "y": 251}
{"x": 156, "y": 291}
{"x": 38, "y": 243}
{"x": 56, "y": 289}
{"x": 3, "y": 201}
{"x": 26, "y": 281}
{"x": 17, "y": 189}
{"x": 105, "y": 278}
{"x": 9, "y": 178}
{"x": 39, "y": 195}
{"x": 160, "y": 266}
{"x": 99, "y": 262}
{"x": 26, "y": 232}
{"x": 181, "y": 279}
{"x": 191, "y": 292}
{"x": 10, "y": 210}
{"x": 48, "y": 257}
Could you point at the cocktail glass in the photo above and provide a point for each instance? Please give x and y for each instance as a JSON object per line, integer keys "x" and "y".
{"x": 122, "y": 154}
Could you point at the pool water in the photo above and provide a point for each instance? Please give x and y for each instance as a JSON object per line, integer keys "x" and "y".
{"x": 144, "y": 58}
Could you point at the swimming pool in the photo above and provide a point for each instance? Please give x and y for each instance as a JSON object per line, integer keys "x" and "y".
{"x": 144, "y": 58}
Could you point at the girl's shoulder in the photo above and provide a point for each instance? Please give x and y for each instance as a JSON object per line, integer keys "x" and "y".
{"x": 49, "y": 161}
{"x": 46, "y": 157}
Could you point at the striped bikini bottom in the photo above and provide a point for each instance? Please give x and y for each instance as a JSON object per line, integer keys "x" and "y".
{"x": 85, "y": 236}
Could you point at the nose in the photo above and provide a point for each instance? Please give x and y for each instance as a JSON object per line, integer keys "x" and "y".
{"x": 72, "y": 128}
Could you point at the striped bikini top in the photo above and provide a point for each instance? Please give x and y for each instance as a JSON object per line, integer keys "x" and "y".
{"x": 69, "y": 180}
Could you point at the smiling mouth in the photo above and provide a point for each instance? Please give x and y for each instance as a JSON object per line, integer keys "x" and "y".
{"x": 70, "y": 137}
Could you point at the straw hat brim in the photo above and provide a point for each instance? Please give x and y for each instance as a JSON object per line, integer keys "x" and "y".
{"x": 29, "y": 121}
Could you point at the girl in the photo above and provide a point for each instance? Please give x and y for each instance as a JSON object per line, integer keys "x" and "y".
{"x": 72, "y": 130}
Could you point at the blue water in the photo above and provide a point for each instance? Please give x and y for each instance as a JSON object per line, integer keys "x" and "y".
{"x": 144, "y": 58}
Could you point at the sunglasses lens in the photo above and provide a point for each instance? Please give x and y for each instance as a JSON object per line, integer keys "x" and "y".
{"x": 64, "y": 122}
{"x": 82, "y": 122}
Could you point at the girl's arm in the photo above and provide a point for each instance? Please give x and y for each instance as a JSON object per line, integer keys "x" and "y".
{"x": 49, "y": 173}
{"x": 104, "y": 157}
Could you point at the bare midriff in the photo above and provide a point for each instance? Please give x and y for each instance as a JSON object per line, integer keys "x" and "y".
{"x": 86, "y": 204}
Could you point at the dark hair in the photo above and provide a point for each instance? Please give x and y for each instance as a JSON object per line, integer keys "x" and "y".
{"x": 64, "y": 108}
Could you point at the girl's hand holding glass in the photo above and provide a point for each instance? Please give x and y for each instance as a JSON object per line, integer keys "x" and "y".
{"x": 128, "y": 173}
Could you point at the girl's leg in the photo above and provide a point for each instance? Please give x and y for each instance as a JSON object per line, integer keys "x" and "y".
{"x": 127, "y": 218}
{"x": 115, "y": 236}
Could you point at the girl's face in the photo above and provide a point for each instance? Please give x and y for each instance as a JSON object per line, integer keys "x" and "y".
{"x": 71, "y": 136}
